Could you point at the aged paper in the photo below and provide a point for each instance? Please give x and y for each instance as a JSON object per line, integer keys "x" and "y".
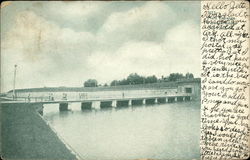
{"x": 121, "y": 80}
{"x": 100, "y": 80}
{"x": 225, "y": 80}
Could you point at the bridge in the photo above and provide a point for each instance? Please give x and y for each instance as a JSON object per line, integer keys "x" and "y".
{"x": 108, "y": 97}
{"x": 101, "y": 103}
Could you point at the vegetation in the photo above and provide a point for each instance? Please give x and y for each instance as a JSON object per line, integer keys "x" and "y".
{"x": 90, "y": 83}
{"x": 179, "y": 76}
{"x": 134, "y": 78}
{"x": 27, "y": 136}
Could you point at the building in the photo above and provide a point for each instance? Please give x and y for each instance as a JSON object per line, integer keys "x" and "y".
{"x": 189, "y": 86}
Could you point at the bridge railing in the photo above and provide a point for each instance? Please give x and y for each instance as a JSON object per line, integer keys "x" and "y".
{"x": 97, "y": 97}
{"x": 33, "y": 99}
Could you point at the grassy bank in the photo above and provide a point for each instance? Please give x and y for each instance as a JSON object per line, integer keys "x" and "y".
{"x": 25, "y": 135}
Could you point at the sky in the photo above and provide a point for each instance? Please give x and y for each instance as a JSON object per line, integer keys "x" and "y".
{"x": 64, "y": 43}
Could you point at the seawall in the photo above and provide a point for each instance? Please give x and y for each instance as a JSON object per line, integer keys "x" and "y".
{"x": 25, "y": 135}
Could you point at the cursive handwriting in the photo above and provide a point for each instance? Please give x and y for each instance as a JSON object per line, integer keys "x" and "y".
{"x": 225, "y": 80}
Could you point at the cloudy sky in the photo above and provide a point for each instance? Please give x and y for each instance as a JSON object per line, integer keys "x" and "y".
{"x": 66, "y": 43}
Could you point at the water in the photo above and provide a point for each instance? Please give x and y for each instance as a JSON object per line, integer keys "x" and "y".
{"x": 167, "y": 131}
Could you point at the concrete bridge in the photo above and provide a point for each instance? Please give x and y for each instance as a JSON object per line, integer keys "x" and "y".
{"x": 102, "y": 103}
{"x": 108, "y": 97}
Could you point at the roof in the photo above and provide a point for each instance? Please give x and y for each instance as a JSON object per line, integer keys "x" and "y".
{"x": 110, "y": 88}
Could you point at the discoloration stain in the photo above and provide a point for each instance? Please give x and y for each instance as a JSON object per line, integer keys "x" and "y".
{"x": 39, "y": 40}
{"x": 38, "y": 4}
{"x": 5, "y": 3}
{"x": 67, "y": 1}
{"x": 33, "y": 52}
{"x": 32, "y": 48}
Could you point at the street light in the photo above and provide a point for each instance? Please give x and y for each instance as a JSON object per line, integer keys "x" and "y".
{"x": 14, "y": 83}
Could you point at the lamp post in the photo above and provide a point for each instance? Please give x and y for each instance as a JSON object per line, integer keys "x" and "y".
{"x": 14, "y": 82}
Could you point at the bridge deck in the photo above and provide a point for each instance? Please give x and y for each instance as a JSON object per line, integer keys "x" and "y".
{"x": 94, "y": 99}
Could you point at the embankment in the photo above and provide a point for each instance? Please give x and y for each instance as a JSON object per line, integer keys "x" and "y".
{"x": 24, "y": 135}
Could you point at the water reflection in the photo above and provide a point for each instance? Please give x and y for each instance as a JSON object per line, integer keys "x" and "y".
{"x": 166, "y": 131}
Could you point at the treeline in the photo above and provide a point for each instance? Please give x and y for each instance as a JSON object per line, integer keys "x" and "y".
{"x": 134, "y": 79}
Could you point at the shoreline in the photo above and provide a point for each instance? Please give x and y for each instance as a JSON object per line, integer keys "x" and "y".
{"x": 78, "y": 156}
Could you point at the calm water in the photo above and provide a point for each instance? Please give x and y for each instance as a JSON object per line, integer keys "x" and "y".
{"x": 167, "y": 131}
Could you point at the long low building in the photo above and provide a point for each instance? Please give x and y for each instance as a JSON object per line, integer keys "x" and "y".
{"x": 189, "y": 86}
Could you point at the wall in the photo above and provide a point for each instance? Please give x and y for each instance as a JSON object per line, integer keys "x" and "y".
{"x": 84, "y": 93}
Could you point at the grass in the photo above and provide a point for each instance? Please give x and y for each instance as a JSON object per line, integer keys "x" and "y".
{"x": 25, "y": 135}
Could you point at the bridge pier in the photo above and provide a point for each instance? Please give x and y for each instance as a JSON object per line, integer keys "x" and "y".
{"x": 156, "y": 100}
{"x": 175, "y": 99}
{"x": 86, "y": 105}
{"x": 130, "y": 102}
{"x": 96, "y": 104}
{"x": 179, "y": 99}
{"x": 144, "y": 101}
{"x": 114, "y": 103}
{"x": 63, "y": 107}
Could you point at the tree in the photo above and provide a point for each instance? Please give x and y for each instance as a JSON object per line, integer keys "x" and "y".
{"x": 90, "y": 83}
{"x": 134, "y": 78}
{"x": 114, "y": 83}
{"x": 175, "y": 76}
{"x": 123, "y": 82}
{"x": 189, "y": 76}
{"x": 106, "y": 85}
{"x": 151, "y": 79}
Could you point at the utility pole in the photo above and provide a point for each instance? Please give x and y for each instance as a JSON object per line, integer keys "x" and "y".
{"x": 14, "y": 83}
